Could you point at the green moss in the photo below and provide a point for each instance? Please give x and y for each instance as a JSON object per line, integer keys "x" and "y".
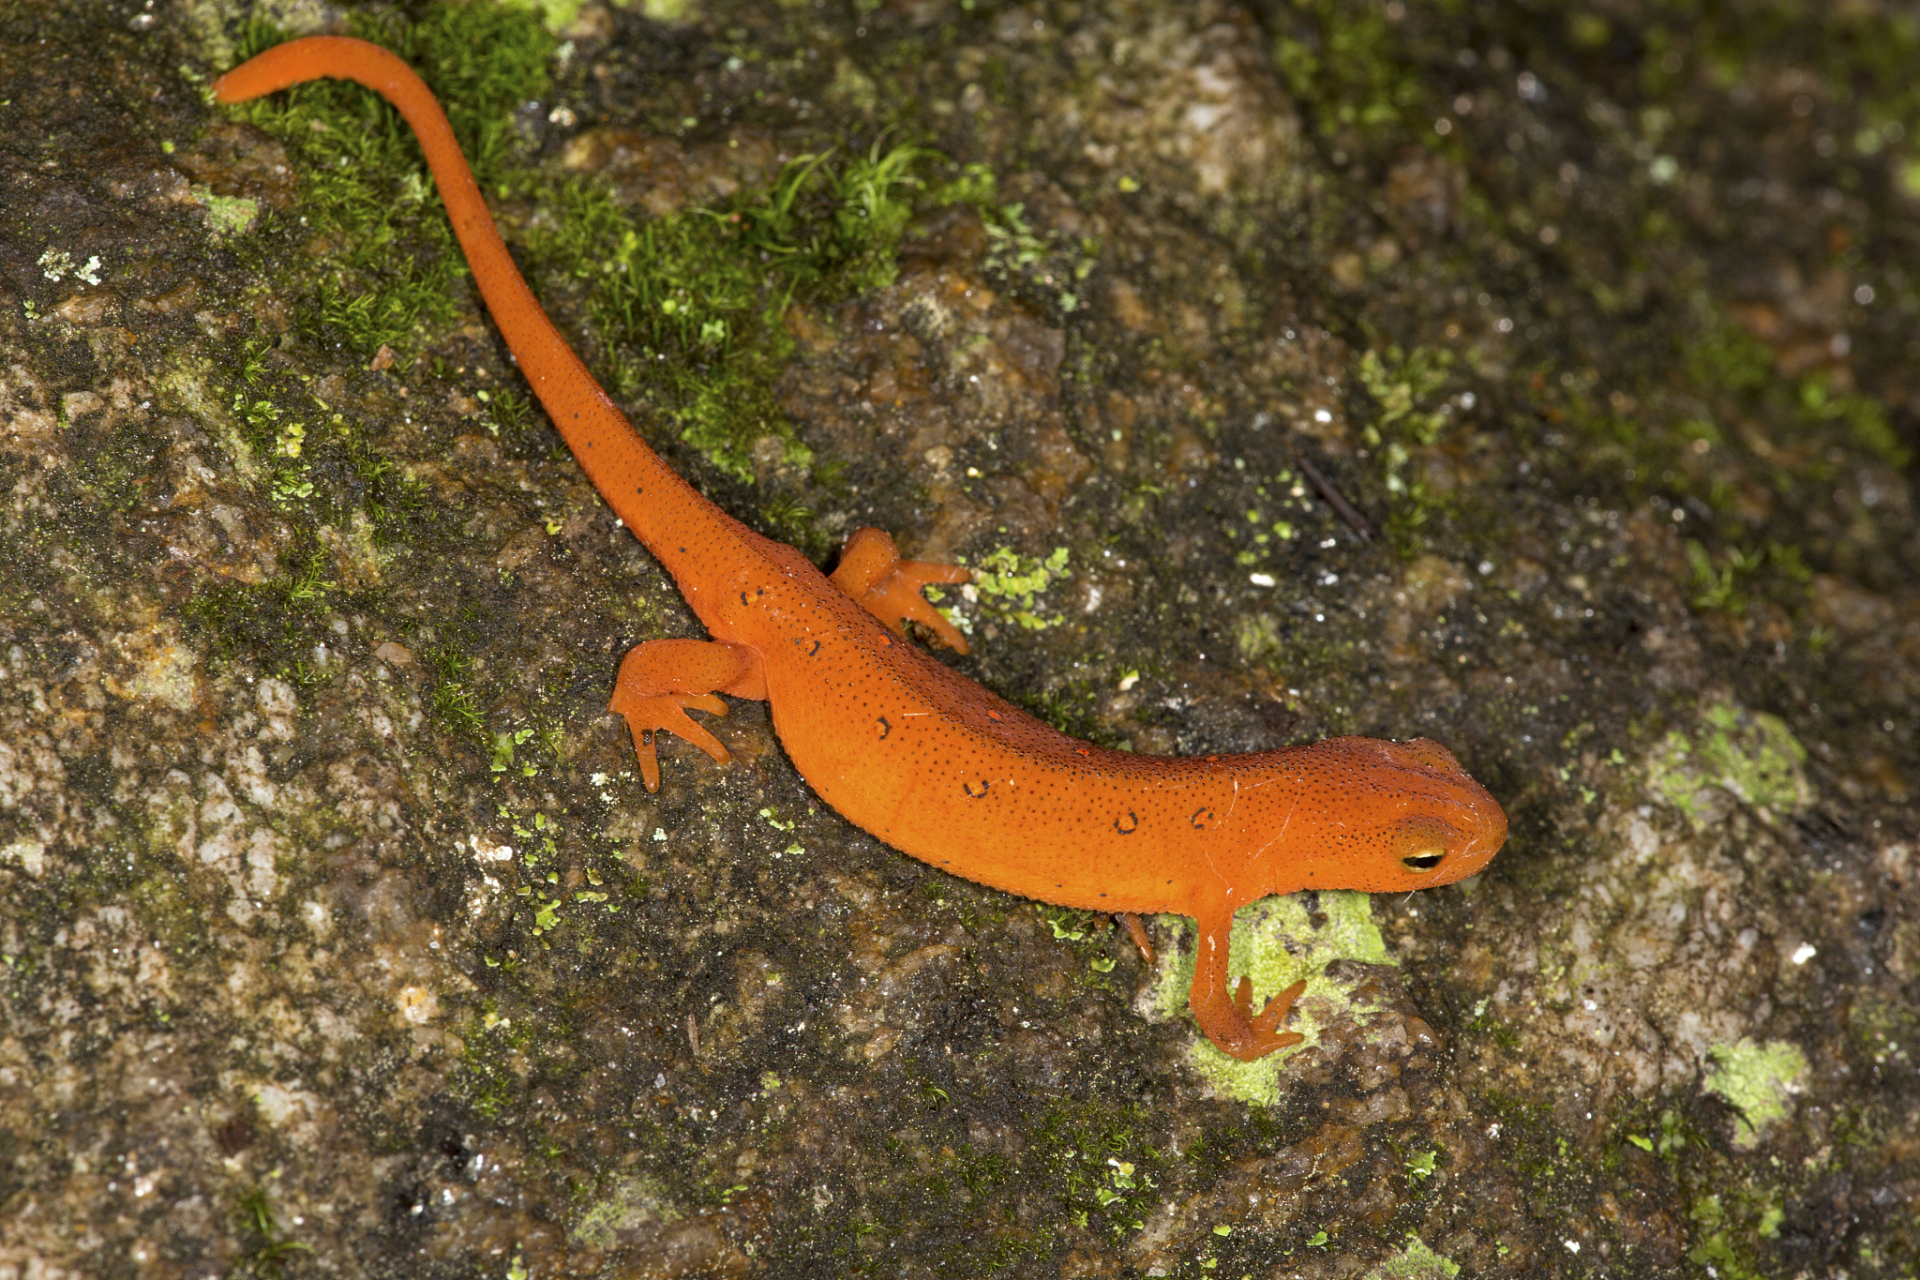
{"x": 1666, "y": 1137}
{"x": 1403, "y": 383}
{"x": 1868, "y": 56}
{"x": 1749, "y": 753}
{"x": 1039, "y": 270}
{"x": 1723, "y": 357}
{"x": 1411, "y": 415}
{"x": 1344, "y": 65}
{"x": 1790, "y": 431}
{"x": 1723, "y": 582}
{"x": 692, "y": 305}
{"x": 1731, "y": 426}
{"x": 391, "y": 260}
{"x": 1102, "y": 1173}
{"x": 1758, "y": 1079}
{"x": 1422, "y": 1165}
{"x": 486, "y": 1078}
{"x": 1882, "y": 1029}
{"x": 275, "y": 624}
{"x": 453, "y": 700}
{"x": 791, "y": 520}
{"x": 483, "y": 61}
{"x": 343, "y": 499}
{"x": 1729, "y": 1230}
{"x": 268, "y": 1246}
{"x": 694, "y": 302}
{"x": 1259, "y": 948}
{"x": 1865, "y": 419}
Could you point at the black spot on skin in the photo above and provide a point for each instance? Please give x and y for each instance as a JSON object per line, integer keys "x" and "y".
{"x": 1132, "y": 819}
{"x": 885, "y": 728}
{"x": 968, "y": 788}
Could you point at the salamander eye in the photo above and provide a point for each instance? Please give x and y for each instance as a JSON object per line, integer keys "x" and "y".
{"x": 1423, "y": 844}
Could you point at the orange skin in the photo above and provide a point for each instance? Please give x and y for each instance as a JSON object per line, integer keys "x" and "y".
{"x": 922, "y": 757}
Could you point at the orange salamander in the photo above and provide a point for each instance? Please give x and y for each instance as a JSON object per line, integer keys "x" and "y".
{"x": 903, "y": 746}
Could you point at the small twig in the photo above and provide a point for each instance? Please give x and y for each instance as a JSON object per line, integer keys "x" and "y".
{"x": 1333, "y": 497}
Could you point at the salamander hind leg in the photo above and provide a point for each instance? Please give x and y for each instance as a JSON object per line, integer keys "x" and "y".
{"x": 872, "y": 572}
{"x": 1227, "y": 1018}
{"x": 661, "y": 680}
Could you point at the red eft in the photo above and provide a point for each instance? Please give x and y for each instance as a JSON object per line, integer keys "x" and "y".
{"x": 905, "y": 747}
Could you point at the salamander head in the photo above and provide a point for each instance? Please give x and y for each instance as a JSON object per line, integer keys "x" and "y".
{"x": 1388, "y": 816}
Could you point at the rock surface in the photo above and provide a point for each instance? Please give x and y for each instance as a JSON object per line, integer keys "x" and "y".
{"x": 338, "y": 937}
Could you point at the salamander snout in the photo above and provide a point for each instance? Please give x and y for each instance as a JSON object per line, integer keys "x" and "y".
{"x": 1378, "y": 816}
{"x": 1456, "y": 826}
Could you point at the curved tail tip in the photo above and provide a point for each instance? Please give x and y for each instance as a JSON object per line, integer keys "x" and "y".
{"x": 231, "y": 85}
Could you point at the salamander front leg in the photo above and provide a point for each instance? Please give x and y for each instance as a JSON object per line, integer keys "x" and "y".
{"x": 661, "y": 679}
{"x": 1227, "y": 1019}
{"x": 1137, "y": 930}
{"x": 872, "y": 572}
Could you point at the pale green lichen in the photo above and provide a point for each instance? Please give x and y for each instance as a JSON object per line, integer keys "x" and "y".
{"x": 560, "y": 15}
{"x": 31, "y": 854}
{"x": 632, "y": 1203}
{"x": 1255, "y": 636}
{"x": 227, "y": 215}
{"x": 662, "y": 10}
{"x": 186, "y": 389}
{"x": 1259, "y": 949}
{"x": 1758, "y": 1079}
{"x": 1749, "y": 753}
{"x": 1350, "y": 933}
{"x": 1417, "y": 1261}
{"x": 166, "y": 673}
{"x": 58, "y": 264}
